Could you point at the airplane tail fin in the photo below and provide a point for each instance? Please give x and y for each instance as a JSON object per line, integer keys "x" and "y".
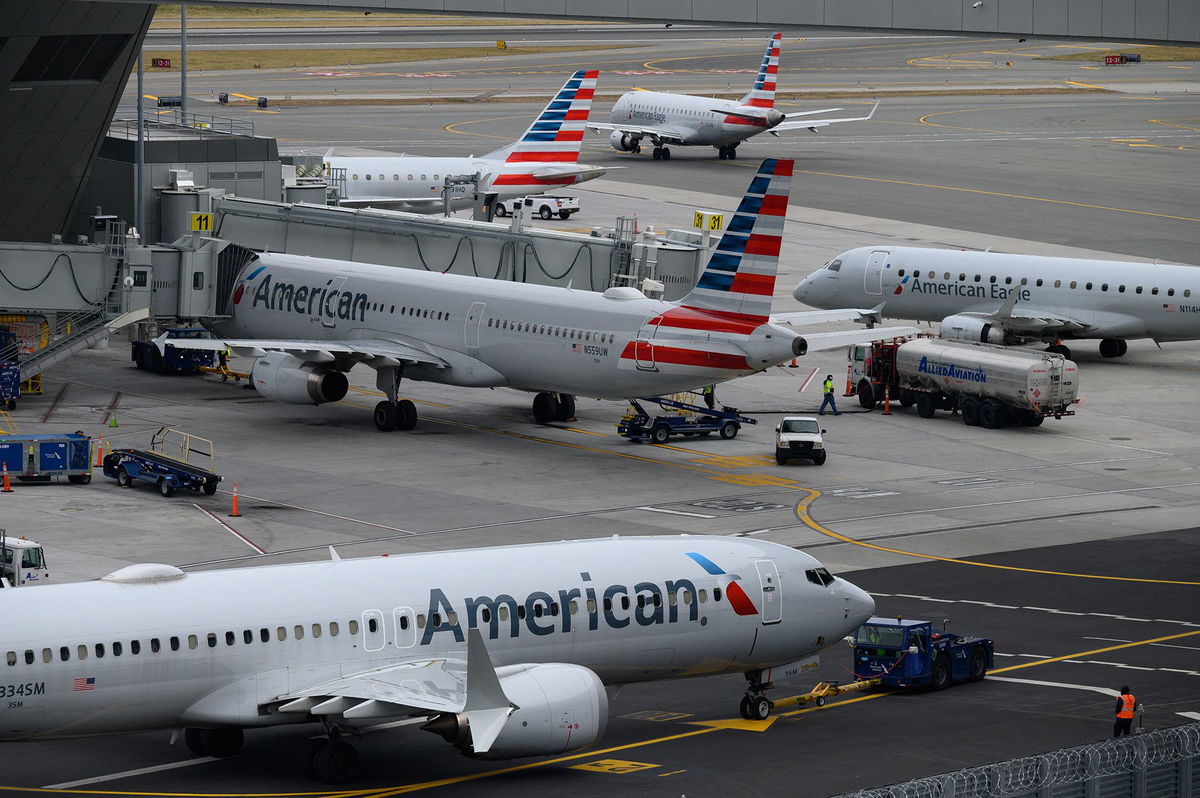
{"x": 556, "y": 135}
{"x": 763, "y": 93}
{"x": 739, "y": 279}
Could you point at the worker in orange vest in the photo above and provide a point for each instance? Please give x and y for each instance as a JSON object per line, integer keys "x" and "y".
{"x": 1126, "y": 704}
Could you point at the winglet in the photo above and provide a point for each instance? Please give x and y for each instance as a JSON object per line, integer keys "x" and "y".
{"x": 333, "y": 555}
{"x": 487, "y": 707}
{"x": 1010, "y": 302}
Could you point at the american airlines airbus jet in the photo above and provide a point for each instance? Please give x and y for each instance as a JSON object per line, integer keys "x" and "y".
{"x": 545, "y": 157}
{"x": 504, "y": 652}
{"x": 689, "y": 120}
{"x": 309, "y": 321}
{"x": 994, "y": 297}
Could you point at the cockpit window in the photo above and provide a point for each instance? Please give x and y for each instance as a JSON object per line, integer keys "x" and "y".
{"x": 819, "y": 576}
{"x": 834, "y": 265}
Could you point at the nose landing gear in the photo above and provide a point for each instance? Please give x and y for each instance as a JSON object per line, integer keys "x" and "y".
{"x": 755, "y": 705}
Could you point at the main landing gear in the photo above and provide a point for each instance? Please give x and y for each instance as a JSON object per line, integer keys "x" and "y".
{"x": 331, "y": 759}
{"x": 662, "y": 153}
{"x": 727, "y": 153}
{"x": 1113, "y": 347}
{"x": 393, "y": 414}
{"x": 549, "y": 407}
{"x": 1059, "y": 349}
{"x": 755, "y": 705}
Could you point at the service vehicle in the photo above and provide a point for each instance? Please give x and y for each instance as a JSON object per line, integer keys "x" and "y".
{"x": 990, "y": 386}
{"x": 689, "y": 419}
{"x": 543, "y": 205}
{"x": 176, "y": 460}
{"x": 174, "y": 358}
{"x": 22, "y": 562}
{"x": 799, "y": 438}
{"x": 911, "y": 653}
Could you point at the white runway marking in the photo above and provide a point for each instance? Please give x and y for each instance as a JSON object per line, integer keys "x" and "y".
{"x": 1051, "y": 610}
{"x": 66, "y": 785}
{"x": 1102, "y": 690}
{"x": 232, "y": 531}
{"x": 675, "y": 512}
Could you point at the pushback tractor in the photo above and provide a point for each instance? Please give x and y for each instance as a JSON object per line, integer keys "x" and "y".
{"x": 911, "y": 653}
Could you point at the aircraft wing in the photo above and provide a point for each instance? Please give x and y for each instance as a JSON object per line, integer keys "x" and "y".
{"x": 574, "y": 170}
{"x": 800, "y": 318}
{"x": 668, "y": 135}
{"x": 394, "y": 203}
{"x": 1032, "y": 321}
{"x": 819, "y": 342}
{"x": 316, "y": 351}
{"x": 418, "y": 685}
{"x": 812, "y": 124}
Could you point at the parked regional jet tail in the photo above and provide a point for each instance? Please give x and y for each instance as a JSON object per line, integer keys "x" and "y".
{"x": 504, "y": 652}
{"x": 546, "y": 156}
{"x": 763, "y": 93}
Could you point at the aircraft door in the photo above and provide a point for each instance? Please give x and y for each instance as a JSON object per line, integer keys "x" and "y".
{"x": 873, "y": 276}
{"x": 329, "y": 303}
{"x": 373, "y": 635}
{"x": 406, "y": 627}
{"x": 474, "y": 322}
{"x": 772, "y": 596}
{"x": 643, "y": 348}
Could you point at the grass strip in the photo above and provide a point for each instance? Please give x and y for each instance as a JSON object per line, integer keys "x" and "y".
{"x": 199, "y": 60}
{"x": 1148, "y": 52}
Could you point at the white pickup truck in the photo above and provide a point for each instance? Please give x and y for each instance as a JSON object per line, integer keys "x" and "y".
{"x": 799, "y": 438}
{"x": 544, "y": 205}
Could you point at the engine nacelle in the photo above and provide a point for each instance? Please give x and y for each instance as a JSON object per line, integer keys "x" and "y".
{"x": 771, "y": 344}
{"x": 560, "y": 708}
{"x": 623, "y": 142}
{"x": 976, "y": 330}
{"x": 281, "y": 377}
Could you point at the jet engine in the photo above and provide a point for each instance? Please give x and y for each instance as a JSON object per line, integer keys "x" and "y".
{"x": 624, "y": 142}
{"x": 977, "y": 330}
{"x": 770, "y": 344}
{"x": 560, "y": 707}
{"x": 281, "y": 377}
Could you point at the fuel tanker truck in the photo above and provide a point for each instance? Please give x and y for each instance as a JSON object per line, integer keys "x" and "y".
{"x": 989, "y": 386}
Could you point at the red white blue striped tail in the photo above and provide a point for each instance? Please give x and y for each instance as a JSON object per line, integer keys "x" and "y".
{"x": 555, "y": 137}
{"x": 739, "y": 280}
{"x": 763, "y": 93}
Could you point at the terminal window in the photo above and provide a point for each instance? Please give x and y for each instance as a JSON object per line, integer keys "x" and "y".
{"x": 76, "y": 57}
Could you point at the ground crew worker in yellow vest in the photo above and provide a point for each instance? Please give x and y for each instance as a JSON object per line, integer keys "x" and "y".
{"x": 1126, "y": 704}
{"x": 828, "y": 400}
{"x": 710, "y": 395}
{"x": 223, "y": 362}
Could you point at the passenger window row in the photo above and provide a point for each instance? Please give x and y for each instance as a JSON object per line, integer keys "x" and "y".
{"x": 551, "y": 330}
{"x": 155, "y": 645}
{"x": 1073, "y": 284}
{"x": 394, "y": 177}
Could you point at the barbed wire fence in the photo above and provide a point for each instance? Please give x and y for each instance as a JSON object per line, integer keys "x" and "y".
{"x": 1036, "y": 776}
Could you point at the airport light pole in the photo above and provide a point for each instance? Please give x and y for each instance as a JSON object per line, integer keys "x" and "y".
{"x": 183, "y": 104}
{"x": 139, "y": 198}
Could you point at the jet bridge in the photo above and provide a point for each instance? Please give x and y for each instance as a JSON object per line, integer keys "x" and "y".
{"x": 510, "y": 251}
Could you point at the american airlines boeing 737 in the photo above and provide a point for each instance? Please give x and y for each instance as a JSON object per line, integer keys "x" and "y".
{"x": 690, "y": 120}
{"x": 994, "y": 297}
{"x": 505, "y": 652}
{"x": 309, "y": 321}
{"x": 545, "y": 157}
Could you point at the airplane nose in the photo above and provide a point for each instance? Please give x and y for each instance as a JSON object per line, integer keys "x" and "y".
{"x": 800, "y": 292}
{"x": 859, "y": 605}
{"x": 775, "y": 117}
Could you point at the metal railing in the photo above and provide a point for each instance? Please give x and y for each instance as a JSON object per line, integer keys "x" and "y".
{"x": 1046, "y": 774}
{"x": 174, "y": 119}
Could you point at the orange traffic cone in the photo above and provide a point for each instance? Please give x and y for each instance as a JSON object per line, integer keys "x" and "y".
{"x": 849, "y": 386}
{"x": 100, "y": 452}
{"x": 7, "y": 487}
{"x": 793, "y": 364}
{"x": 234, "y": 512}
{"x": 887, "y": 397}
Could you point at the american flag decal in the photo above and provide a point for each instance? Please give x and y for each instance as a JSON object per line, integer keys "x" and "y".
{"x": 85, "y": 683}
{"x": 1169, "y": 308}
{"x": 576, "y": 348}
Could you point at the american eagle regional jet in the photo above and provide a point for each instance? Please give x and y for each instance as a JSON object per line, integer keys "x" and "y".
{"x": 545, "y": 157}
{"x": 690, "y": 120}
{"x": 308, "y": 321}
{"x": 995, "y": 297}
{"x": 504, "y": 652}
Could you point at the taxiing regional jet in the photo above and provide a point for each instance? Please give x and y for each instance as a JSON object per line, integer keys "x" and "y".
{"x": 505, "y": 652}
{"x": 689, "y": 120}
{"x": 310, "y": 320}
{"x": 994, "y": 297}
{"x": 545, "y": 157}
